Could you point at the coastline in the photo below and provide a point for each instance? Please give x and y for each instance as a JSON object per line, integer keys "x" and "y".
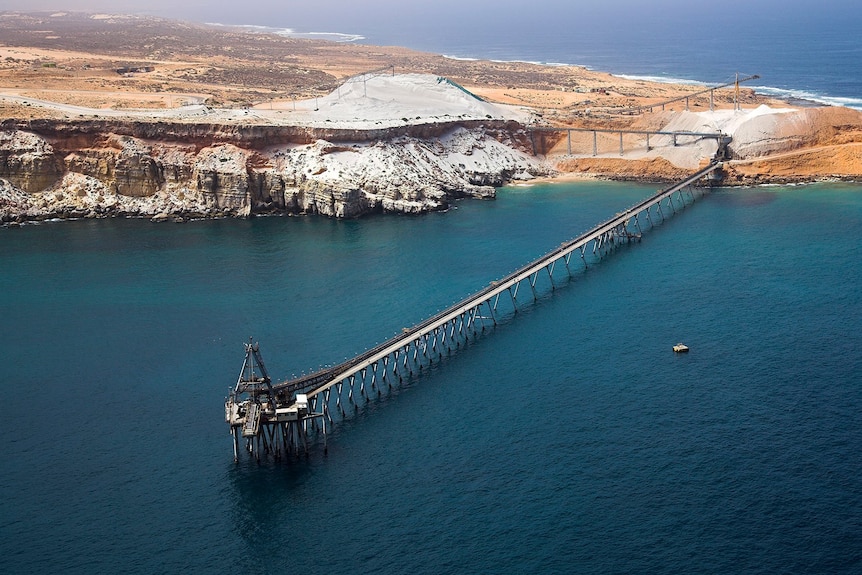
{"x": 542, "y": 423}
{"x": 163, "y": 143}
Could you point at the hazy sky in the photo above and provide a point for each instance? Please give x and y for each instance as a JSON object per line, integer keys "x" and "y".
{"x": 415, "y": 22}
{"x": 342, "y": 15}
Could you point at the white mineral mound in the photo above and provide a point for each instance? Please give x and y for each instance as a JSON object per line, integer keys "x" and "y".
{"x": 727, "y": 121}
{"x": 361, "y": 102}
{"x": 374, "y": 101}
{"x": 755, "y": 132}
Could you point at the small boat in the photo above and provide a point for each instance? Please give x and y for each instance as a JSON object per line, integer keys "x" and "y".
{"x": 680, "y": 348}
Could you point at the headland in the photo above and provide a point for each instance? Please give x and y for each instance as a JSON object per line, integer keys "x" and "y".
{"x": 114, "y": 115}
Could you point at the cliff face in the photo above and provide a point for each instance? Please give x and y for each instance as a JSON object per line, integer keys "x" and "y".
{"x": 165, "y": 170}
{"x": 28, "y": 160}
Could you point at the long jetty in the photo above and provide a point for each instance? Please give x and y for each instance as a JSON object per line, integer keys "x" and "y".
{"x": 278, "y": 419}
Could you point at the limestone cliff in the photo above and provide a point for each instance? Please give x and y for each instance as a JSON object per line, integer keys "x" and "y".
{"x": 94, "y": 168}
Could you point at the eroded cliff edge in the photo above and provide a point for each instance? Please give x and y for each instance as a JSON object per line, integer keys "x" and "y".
{"x": 405, "y": 144}
{"x": 104, "y": 167}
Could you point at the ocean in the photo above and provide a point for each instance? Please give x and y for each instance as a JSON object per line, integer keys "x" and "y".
{"x": 569, "y": 439}
{"x": 800, "y": 52}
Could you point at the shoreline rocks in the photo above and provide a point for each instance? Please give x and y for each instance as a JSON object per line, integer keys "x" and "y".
{"x": 122, "y": 168}
{"x": 61, "y": 173}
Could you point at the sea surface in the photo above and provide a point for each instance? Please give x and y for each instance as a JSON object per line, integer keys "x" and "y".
{"x": 800, "y": 51}
{"x": 569, "y": 439}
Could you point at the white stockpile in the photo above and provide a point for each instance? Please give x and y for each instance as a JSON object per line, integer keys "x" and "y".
{"x": 385, "y": 100}
{"x": 755, "y": 132}
{"x": 362, "y": 102}
{"x": 398, "y": 173}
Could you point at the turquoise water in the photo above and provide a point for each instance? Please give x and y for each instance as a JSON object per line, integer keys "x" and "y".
{"x": 569, "y": 439}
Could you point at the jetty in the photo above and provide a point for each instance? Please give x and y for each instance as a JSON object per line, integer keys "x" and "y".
{"x": 280, "y": 419}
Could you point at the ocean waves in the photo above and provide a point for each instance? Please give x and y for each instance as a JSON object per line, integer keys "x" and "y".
{"x": 809, "y": 96}
{"x": 291, "y": 33}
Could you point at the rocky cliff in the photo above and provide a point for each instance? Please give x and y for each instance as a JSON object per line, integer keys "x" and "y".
{"x": 93, "y": 168}
{"x": 179, "y": 169}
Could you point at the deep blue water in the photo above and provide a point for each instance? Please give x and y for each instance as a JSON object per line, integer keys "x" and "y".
{"x": 568, "y": 440}
{"x": 800, "y": 50}
{"x": 817, "y": 57}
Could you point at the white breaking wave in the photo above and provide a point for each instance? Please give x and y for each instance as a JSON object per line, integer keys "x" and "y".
{"x": 291, "y": 33}
{"x": 780, "y": 93}
{"x": 460, "y": 58}
{"x": 665, "y": 80}
{"x": 515, "y": 61}
{"x": 332, "y": 36}
{"x": 785, "y": 94}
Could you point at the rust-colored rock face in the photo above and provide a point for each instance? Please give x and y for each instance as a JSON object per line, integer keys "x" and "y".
{"x": 28, "y": 162}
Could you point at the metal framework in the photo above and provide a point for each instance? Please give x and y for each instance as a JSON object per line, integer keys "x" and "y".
{"x": 676, "y": 136}
{"x": 267, "y": 424}
{"x": 711, "y": 89}
{"x": 277, "y": 419}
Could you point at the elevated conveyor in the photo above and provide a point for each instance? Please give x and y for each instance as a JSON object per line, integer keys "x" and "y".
{"x": 275, "y": 418}
{"x": 318, "y": 382}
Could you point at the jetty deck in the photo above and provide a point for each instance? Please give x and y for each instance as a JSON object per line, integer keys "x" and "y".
{"x": 276, "y": 418}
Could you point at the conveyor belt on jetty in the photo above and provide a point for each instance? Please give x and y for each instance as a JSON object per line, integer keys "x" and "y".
{"x": 284, "y": 411}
